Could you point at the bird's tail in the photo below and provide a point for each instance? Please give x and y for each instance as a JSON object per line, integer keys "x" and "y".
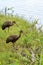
{"x": 3, "y": 27}
{"x": 7, "y": 41}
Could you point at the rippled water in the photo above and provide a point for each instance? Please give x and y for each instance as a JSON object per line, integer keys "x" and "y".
{"x": 26, "y": 8}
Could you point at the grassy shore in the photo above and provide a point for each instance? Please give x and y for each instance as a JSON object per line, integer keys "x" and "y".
{"x": 32, "y": 40}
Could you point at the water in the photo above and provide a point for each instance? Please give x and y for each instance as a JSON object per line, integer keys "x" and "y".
{"x": 25, "y": 8}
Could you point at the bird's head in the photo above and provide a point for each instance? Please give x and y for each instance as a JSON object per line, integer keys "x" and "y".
{"x": 21, "y": 31}
{"x": 15, "y": 23}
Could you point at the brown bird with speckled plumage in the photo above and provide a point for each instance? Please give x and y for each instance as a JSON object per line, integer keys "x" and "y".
{"x": 13, "y": 38}
{"x": 7, "y": 24}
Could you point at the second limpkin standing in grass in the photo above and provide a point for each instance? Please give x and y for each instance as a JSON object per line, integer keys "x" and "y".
{"x": 13, "y": 38}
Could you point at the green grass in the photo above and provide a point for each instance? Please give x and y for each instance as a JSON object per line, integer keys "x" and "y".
{"x": 31, "y": 39}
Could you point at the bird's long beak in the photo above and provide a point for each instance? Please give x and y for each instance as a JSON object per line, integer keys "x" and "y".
{"x": 16, "y": 25}
{"x": 24, "y": 34}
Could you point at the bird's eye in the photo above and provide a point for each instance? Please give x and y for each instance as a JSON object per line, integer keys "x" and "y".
{"x": 14, "y": 22}
{"x": 21, "y": 30}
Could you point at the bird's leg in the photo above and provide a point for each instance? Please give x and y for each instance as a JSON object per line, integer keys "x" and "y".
{"x": 5, "y": 30}
{"x": 13, "y": 45}
{"x": 8, "y": 29}
{"x": 13, "y": 48}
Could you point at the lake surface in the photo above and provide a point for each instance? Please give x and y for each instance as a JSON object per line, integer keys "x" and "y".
{"x": 25, "y": 8}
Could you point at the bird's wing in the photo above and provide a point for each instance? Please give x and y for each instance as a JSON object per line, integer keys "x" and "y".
{"x": 6, "y": 23}
{"x": 14, "y": 36}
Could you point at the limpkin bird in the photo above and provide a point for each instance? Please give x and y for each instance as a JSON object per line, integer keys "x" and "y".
{"x": 7, "y": 24}
{"x": 14, "y": 38}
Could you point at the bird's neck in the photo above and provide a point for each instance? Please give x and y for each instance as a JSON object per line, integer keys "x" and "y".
{"x": 19, "y": 35}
